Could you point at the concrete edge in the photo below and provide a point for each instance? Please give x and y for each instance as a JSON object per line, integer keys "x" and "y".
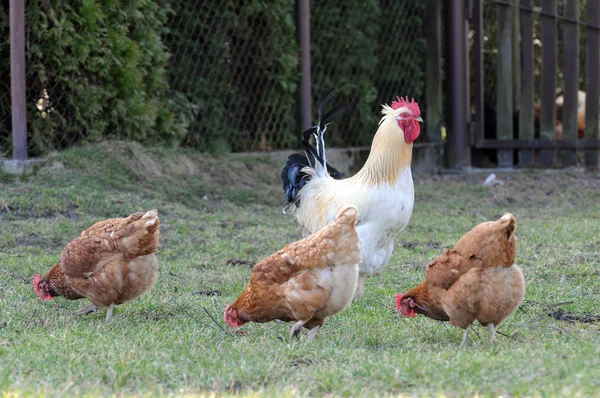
{"x": 21, "y": 167}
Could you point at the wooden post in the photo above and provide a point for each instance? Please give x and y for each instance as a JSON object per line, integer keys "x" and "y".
{"x": 457, "y": 148}
{"x": 516, "y": 54}
{"x": 433, "y": 71}
{"x": 478, "y": 69}
{"x": 526, "y": 120}
{"x": 17, "y": 78}
{"x": 592, "y": 83}
{"x": 548, "y": 90}
{"x": 570, "y": 78}
{"x": 305, "y": 84}
{"x": 504, "y": 99}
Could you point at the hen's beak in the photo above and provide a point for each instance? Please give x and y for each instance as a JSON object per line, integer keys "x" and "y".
{"x": 419, "y": 119}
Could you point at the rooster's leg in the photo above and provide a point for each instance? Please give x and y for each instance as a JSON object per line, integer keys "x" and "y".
{"x": 492, "y": 330}
{"x": 465, "y": 339}
{"x": 296, "y": 328}
{"x": 86, "y": 310}
{"x": 109, "y": 312}
{"x": 360, "y": 290}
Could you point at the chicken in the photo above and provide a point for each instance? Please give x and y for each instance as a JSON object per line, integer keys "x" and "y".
{"x": 382, "y": 190}
{"x": 477, "y": 280}
{"x": 537, "y": 111}
{"x": 307, "y": 281}
{"x": 112, "y": 262}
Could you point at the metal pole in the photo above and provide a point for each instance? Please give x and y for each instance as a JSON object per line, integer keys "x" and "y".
{"x": 457, "y": 155}
{"x": 304, "y": 27}
{"x": 17, "y": 78}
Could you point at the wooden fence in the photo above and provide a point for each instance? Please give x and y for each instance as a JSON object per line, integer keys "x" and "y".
{"x": 543, "y": 134}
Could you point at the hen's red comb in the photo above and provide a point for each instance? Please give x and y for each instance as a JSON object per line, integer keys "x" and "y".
{"x": 399, "y": 301}
{"x": 412, "y": 106}
{"x": 36, "y": 283}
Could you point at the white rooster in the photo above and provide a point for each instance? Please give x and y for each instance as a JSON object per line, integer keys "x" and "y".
{"x": 382, "y": 190}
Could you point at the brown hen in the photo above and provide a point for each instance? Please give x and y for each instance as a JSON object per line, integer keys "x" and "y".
{"x": 112, "y": 262}
{"x": 306, "y": 281}
{"x": 475, "y": 281}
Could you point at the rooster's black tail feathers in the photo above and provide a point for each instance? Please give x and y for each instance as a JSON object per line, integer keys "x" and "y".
{"x": 291, "y": 175}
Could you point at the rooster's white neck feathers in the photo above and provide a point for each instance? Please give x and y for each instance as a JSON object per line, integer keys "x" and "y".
{"x": 390, "y": 154}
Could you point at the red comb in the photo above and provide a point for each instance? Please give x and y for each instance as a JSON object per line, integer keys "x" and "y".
{"x": 36, "y": 283}
{"x": 412, "y": 106}
{"x": 399, "y": 301}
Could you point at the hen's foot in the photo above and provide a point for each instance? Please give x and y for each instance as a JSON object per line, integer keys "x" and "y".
{"x": 86, "y": 310}
{"x": 109, "y": 312}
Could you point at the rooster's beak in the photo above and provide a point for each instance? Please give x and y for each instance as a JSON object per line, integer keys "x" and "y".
{"x": 419, "y": 119}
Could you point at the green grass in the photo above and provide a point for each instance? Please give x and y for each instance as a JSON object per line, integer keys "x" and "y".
{"x": 215, "y": 209}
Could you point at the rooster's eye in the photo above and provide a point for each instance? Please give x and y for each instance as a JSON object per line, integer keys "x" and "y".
{"x": 405, "y": 115}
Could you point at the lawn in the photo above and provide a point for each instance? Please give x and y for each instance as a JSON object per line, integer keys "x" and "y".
{"x": 219, "y": 216}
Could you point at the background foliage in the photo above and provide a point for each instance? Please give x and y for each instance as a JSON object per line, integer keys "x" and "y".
{"x": 217, "y": 75}
{"x": 97, "y": 70}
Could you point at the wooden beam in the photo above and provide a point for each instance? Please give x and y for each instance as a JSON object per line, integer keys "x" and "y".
{"x": 479, "y": 71}
{"x": 305, "y": 83}
{"x": 504, "y": 98}
{"x": 457, "y": 147}
{"x": 570, "y": 78}
{"x": 526, "y": 121}
{"x": 433, "y": 71}
{"x": 592, "y": 82}
{"x": 17, "y": 78}
{"x": 548, "y": 90}
{"x": 583, "y": 144}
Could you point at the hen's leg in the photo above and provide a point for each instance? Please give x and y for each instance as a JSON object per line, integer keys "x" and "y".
{"x": 313, "y": 333}
{"x": 86, "y": 310}
{"x": 360, "y": 289}
{"x": 296, "y": 328}
{"x": 314, "y": 325}
{"x": 109, "y": 312}
{"x": 492, "y": 330}
{"x": 465, "y": 337}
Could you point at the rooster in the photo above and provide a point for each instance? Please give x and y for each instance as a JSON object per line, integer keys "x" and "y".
{"x": 307, "y": 281}
{"x": 112, "y": 262}
{"x": 382, "y": 190}
{"x": 477, "y": 280}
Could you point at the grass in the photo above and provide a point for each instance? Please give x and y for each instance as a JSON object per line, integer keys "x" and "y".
{"x": 217, "y": 209}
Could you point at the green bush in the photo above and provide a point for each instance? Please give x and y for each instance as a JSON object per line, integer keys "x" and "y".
{"x": 216, "y": 75}
{"x": 97, "y": 69}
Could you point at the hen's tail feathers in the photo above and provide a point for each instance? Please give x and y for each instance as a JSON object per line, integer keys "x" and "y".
{"x": 140, "y": 238}
{"x": 494, "y": 242}
{"x": 508, "y": 223}
{"x": 342, "y": 238}
{"x": 314, "y": 157}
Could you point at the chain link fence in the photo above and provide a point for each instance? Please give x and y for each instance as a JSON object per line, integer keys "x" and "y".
{"x": 217, "y": 75}
{"x": 239, "y": 66}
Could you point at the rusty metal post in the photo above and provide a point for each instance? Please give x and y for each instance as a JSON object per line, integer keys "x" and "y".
{"x": 17, "y": 78}
{"x": 305, "y": 84}
{"x": 457, "y": 148}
